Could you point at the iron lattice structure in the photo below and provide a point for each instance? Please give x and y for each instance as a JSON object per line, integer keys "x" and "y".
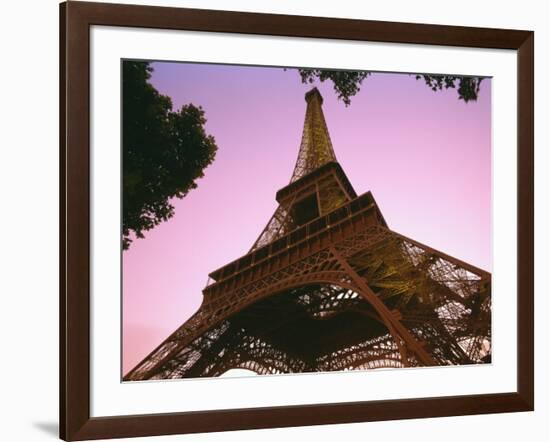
{"x": 328, "y": 286}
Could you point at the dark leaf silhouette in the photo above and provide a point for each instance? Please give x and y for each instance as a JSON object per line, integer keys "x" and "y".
{"x": 348, "y": 83}
{"x": 164, "y": 151}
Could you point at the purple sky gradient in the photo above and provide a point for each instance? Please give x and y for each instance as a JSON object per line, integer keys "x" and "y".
{"x": 426, "y": 157}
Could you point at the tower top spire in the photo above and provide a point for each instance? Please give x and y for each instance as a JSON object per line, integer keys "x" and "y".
{"x": 314, "y": 94}
{"x": 316, "y": 147}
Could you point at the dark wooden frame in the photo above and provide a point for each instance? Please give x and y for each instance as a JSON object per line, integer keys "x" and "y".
{"x": 75, "y": 21}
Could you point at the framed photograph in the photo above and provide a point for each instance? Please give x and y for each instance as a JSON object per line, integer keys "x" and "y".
{"x": 272, "y": 220}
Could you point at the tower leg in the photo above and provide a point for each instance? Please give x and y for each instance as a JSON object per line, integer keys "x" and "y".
{"x": 393, "y": 324}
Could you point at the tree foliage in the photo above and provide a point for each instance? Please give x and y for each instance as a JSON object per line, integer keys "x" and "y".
{"x": 164, "y": 151}
{"x": 348, "y": 83}
{"x": 468, "y": 87}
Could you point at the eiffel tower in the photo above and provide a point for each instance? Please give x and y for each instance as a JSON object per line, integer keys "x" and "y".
{"x": 328, "y": 286}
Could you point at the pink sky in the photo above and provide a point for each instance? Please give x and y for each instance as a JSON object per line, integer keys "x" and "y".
{"x": 426, "y": 157}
